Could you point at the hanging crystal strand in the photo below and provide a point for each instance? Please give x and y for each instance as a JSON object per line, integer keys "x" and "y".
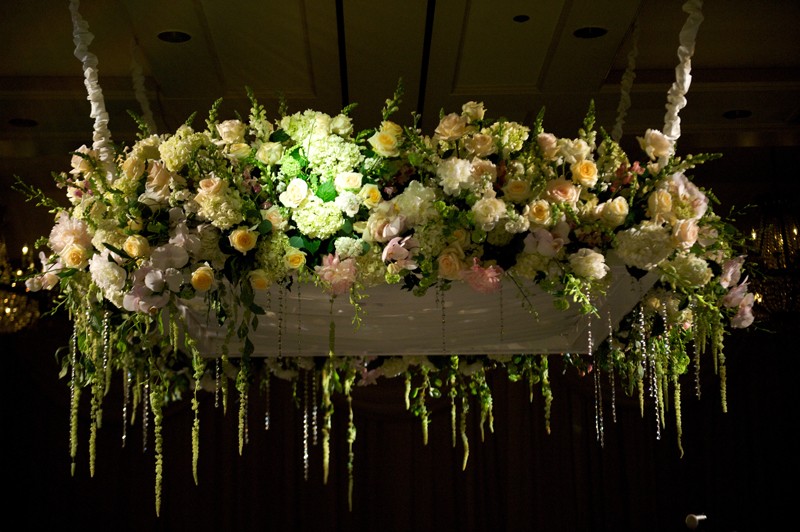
{"x": 611, "y": 373}
{"x": 267, "y": 380}
{"x": 696, "y": 358}
{"x": 314, "y": 392}
{"x": 306, "y": 385}
{"x": 598, "y": 389}
{"x": 652, "y": 377}
{"x": 139, "y": 88}
{"x": 217, "y": 378}
{"x": 145, "y": 411}
{"x": 126, "y": 399}
{"x": 106, "y": 346}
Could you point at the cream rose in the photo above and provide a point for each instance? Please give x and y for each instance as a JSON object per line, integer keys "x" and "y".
{"x": 451, "y": 127}
{"x": 655, "y": 144}
{"x": 75, "y": 256}
{"x": 231, "y": 131}
{"x": 136, "y": 246}
{"x": 517, "y": 190}
{"x": 480, "y": 145}
{"x": 269, "y": 153}
{"x": 659, "y": 205}
{"x": 341, "y": 125}
{"x": 588, "y": 264}
{"x": 259, "y": 279}
{"x": 347, "y": 181}
{"x": 488, "y": 212}
{"x": 133, "y": 167}
{"x": 685, "y": 233}
{"x": 387, "y": 126}
{"x": 274, "y": 216}
{"x": 239, "y": 150}
{"x": 243, "y": 239}
{"x": 294, "y": 259}
{"x": 584, "y": 173}
{"x": 203, "y": 278}
{"x": 614, "y": 212}
{"x": 473, "y": 111}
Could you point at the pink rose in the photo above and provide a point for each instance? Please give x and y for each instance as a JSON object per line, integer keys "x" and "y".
{"x": 483, "y": 280}
{"x": 338, "y": 274}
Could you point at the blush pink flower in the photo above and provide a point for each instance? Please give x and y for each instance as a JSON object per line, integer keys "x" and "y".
{"x": 338, "y": 274}
{"x": 483, "y": 280}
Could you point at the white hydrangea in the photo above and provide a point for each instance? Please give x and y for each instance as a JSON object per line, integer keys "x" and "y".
{"x": 416, "y": 203}
{"x": 687, "y": 270}
{"x": 455, "y": 175}
{"x": 644, "y": 246}
{"x": 347, "y": 247}
{"x": 318, "y": 219}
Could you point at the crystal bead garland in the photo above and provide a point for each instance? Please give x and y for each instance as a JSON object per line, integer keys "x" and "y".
{"x": 106, "y": 342}
{"x": 611, "y": 379}
{"x": 217, "y": 384}
{"x": 440, "y": 302}
{"x": 598, "y": 389}
{"x": 126, "y": 399}
{"x": 651, "y": 376}
{"x": 306, "y": 385}
{"x": 145, "y": 411}
{"x": 314, "y": 392}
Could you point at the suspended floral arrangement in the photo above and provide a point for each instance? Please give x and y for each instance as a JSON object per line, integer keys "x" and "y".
{"x": 217, "y": 225}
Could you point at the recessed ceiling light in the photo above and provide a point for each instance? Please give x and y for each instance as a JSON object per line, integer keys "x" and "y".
{"x": 735, "y": 114}
{"x": 589, "y": 32}
{"x": 23, "y": 122}
{"x": 521, "y": 18}
{"x": 174, "y": 36}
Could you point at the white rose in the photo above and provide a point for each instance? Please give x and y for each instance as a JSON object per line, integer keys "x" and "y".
{"x": 347, "y": 181}
{"x": 588, "y": 264}
{"x": 517, "y": 190}
{"x": 488, "y": 212}
{"x": 295, "y": 194}
{"x": 451, "y": 127}
{"x": 473, "y": 111}
{"x": 655, "y": 144}
{"x": 384, "y": 144}
{"x": 270, "y": 152}
{"x": 341, "y": 125}
{"x": 659, "y": 204}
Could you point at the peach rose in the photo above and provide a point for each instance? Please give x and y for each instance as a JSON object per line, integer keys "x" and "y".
{"x": 75, "y": 256}
{"x": 259, "y": 279}
{"x": 451, "y": 262}
{"x": 451, "y": 127}
{"x": 562, "y": 191}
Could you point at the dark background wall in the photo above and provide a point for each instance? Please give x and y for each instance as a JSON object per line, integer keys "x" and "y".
{"x": 734, "y": 469}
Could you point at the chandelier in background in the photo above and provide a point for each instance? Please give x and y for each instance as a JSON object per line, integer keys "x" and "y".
{"x": 18, "y": 309}
{"x": 775, "y": 246}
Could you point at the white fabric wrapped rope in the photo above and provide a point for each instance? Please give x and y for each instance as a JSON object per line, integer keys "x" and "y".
{"x": 676, "y": 96}
{"x": 101, "y": 136}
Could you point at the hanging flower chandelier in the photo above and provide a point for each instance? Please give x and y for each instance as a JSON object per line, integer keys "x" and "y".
{"x": 297, "y": 246}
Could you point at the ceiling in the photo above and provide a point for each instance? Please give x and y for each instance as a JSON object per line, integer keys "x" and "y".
{"x": 516, "y": 56}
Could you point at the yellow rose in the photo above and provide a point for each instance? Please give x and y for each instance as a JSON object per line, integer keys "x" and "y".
{"x": 202, "y": 278}
{"x": 539, "y": 212}
{"x": 370, "y": 195}
{"x": 384, "y": 144}
{"x": 243, "y": 239}
{"x": 259, "y": 280}
{"x": 294, "y": 259}
{"x": 75, "y": 256}
{"x": 136, "y": 246}
{"x": 395, "y": 130}
{"x": 584, "y": 173}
